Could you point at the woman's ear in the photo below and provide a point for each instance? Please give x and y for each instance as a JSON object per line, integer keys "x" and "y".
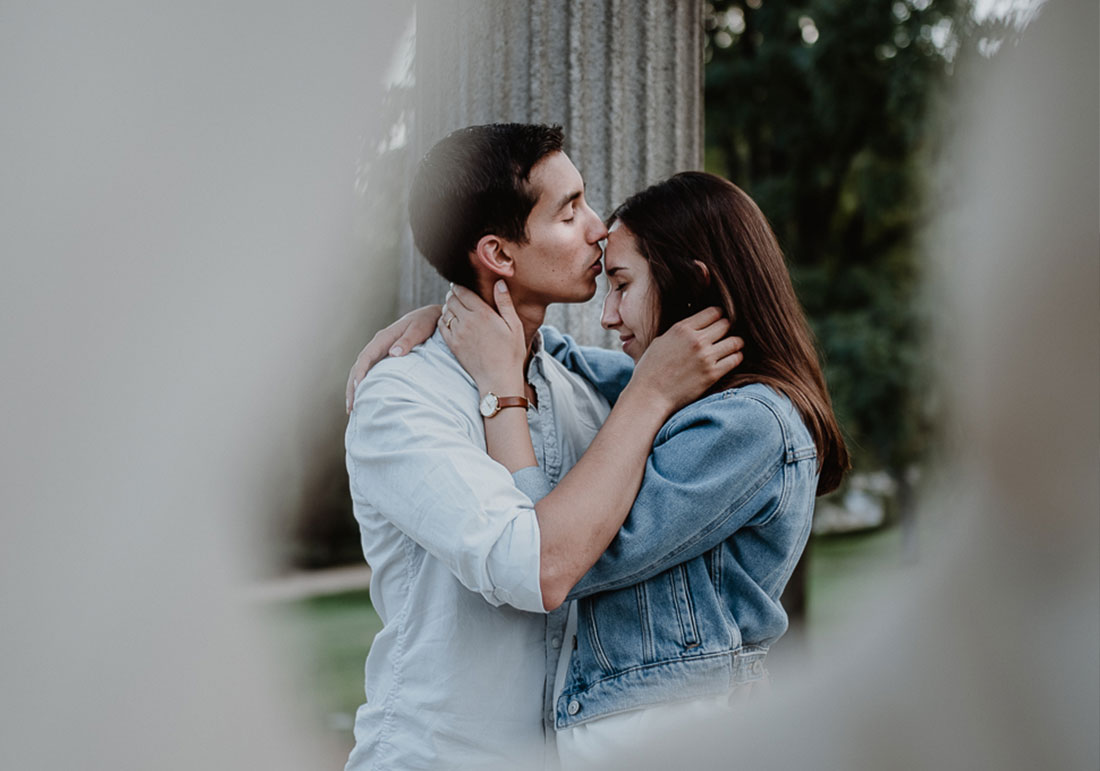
{"x": 704, "y": 271}
{"x": 491, "y": 254}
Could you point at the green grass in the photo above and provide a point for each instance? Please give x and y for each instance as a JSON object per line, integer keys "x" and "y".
{"x": 844, "y": 568}
{"x": 334, "y": 633}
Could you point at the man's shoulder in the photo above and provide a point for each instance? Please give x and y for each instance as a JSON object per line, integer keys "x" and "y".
{"x": 418, "y": 397}
{"x": 428, "y": 368}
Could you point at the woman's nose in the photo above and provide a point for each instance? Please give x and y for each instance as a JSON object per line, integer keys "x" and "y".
{"x": 609, "y": 319}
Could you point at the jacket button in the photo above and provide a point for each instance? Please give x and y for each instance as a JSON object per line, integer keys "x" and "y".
{"x": 574, "y": 707}
{"x": 757, "y": 667}
{"x": 555, "y": 641}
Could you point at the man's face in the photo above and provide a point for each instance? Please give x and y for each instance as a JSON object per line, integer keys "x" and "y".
{"x": 561, "y": 259}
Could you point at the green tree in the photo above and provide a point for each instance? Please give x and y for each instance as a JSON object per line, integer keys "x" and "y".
{"x": 821, "y": 111}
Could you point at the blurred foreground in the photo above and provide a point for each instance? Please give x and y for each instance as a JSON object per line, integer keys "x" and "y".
{"x": 333, "y": 631}
{"x": 176, "y": 244}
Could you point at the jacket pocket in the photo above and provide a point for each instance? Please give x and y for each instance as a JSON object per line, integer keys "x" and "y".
{"x": 594, "y": 637}
{"x": 714, "y": 569}
{"x": 685, "y": 608}
{"x": 641, "y": 595}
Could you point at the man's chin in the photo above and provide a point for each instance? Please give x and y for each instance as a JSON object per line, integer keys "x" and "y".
{"x": 580, "y": 294}
{"x": 585, "y": 294}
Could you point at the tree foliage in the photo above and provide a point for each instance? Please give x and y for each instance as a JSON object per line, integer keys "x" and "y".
{"x": 821, "y": 111}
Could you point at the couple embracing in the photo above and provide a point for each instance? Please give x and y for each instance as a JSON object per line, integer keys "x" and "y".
{"x": 573, "y": 549}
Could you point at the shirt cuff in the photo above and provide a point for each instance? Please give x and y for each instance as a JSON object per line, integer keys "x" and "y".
{"x": 512, "y": 568}
{"x": 533, "y": 482}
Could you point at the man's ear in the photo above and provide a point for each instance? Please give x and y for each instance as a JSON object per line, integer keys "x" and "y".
{"x": 491, "y": 253}
{"x": 703, "y": 271}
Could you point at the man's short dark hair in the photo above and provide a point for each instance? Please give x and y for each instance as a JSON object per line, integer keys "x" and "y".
{"x": 472, "y": 183}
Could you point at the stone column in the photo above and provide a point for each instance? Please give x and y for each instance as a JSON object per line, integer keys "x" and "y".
{"x": 623, "y": 77}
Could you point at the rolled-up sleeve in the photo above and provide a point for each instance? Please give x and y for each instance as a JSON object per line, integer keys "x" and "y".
{"x": 700, "y": 485}
{"x": 533, "y": 482}
{"x": 416, "y": 464}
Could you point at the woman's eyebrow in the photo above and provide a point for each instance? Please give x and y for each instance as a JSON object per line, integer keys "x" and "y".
{"x": 616, "y": 269}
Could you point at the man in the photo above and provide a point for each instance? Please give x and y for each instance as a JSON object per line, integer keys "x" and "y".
{"x": 466, "y": 567}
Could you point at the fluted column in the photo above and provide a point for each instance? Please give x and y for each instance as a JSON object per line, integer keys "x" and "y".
{"x": 623, "y": 77}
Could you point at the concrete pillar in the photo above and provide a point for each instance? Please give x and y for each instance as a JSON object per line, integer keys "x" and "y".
{"x": 623, "y": 77}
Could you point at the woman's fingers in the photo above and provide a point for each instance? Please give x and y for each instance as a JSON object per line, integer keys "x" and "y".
{"x": 464, "y": 299}
{"x": 715, "y": 330}
{"x": 728, "y": 348}
{"x": 727, "y": 345}
{"x": 505, "y": 307}
{"x": 445, "y": 327}
{"x": 397, "y": 339}
{"x": 457, "y": 305}
{"x": 455, "y": 311}
{"x": 349, "y": 391}
{"x": 372, "y": 353}
{"x": 703, "y": 318}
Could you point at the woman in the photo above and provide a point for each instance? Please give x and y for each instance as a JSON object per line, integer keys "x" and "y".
{"x": 674, "y": 620}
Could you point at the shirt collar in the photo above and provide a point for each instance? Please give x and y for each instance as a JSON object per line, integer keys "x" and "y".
{"x": 538, "y": 351}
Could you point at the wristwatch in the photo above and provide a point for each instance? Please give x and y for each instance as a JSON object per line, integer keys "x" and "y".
{"x": 492, "y": 404}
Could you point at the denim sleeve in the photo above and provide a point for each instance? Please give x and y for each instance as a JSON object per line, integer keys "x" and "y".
{"x": 608, "y": 371}
{"x": 700, "y": 486}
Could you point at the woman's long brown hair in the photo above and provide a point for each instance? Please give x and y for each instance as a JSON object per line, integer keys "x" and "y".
{"x": 695, "y": 219}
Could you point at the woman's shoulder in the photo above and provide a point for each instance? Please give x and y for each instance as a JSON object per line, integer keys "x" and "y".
{"x": 764, "y": 398}
{"x": 754, "y": 401}
{"x": 754, "y": 413}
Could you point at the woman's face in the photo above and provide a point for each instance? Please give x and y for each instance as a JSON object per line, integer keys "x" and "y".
{"x": 631, "y": 305}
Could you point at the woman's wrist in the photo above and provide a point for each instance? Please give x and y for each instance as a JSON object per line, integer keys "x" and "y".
{"x": 643, "y": 398}
{"x": 501, "y": 385}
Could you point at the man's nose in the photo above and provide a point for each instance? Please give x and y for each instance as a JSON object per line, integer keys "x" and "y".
{"x": 598, "y": 230}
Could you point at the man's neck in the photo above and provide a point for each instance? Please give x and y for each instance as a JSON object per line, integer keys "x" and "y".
{"x": 531, "y": 314}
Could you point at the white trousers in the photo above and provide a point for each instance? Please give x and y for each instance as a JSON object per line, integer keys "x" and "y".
{"x": 659, "y": 737}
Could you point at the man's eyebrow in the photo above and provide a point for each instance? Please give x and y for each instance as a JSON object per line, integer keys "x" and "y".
{"x": 567, "y": 200}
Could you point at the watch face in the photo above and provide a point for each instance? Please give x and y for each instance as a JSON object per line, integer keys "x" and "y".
{"x": 489, "y": 405}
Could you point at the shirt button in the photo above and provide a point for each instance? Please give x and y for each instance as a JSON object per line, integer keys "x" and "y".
{"x": 574, "y": 707}
{"x": 555, "y": 641}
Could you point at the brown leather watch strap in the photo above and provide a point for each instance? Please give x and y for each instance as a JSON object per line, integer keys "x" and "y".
{"x": 493, "y": 404}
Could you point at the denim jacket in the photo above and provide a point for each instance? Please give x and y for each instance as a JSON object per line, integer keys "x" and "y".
{"x": 685, "y": 601}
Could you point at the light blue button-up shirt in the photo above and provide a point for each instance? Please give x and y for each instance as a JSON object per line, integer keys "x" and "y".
{"x": 458, "y": 676}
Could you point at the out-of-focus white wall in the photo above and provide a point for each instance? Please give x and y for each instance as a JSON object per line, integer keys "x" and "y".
{"x": 181, "y": 272}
